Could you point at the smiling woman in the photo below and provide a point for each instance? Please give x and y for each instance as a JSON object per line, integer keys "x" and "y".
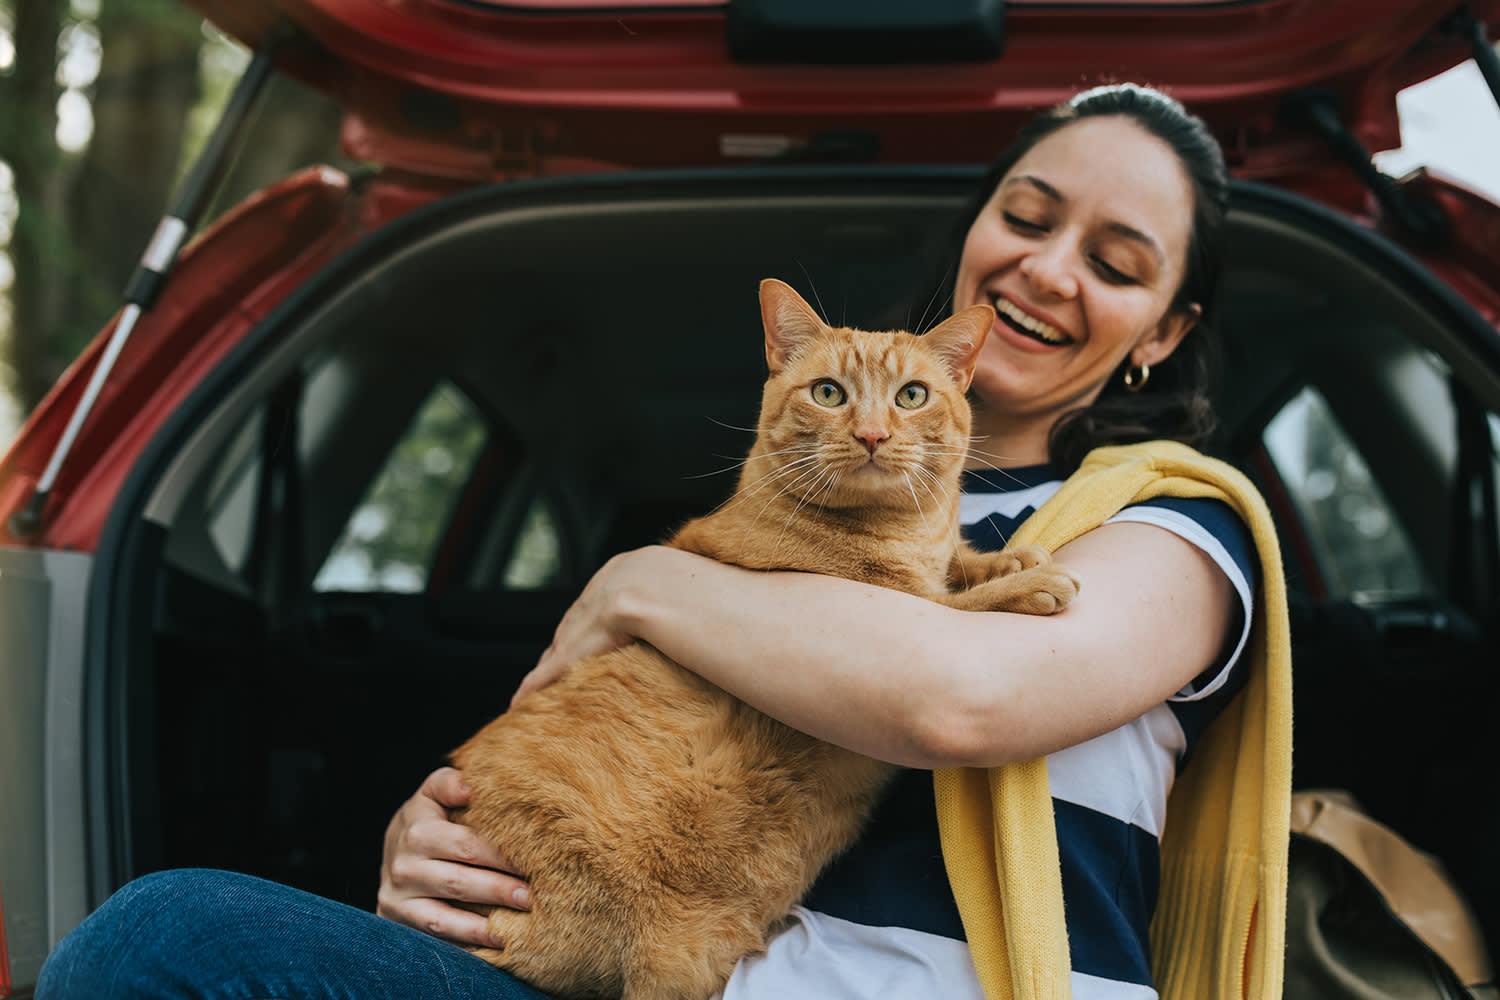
{"x": 1095, "y": 270}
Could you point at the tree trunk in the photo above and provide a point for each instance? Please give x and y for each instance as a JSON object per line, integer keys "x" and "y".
{"x": 83, "y": 224}
{"x": 148, "y": 83}
{"x": 28, "y": 115}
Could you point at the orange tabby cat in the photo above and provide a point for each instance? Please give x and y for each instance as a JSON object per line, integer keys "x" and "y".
{"x": 666, "y": 826}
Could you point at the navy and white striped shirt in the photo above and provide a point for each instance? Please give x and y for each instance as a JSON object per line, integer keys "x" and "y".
{"x": 881, "y": 921}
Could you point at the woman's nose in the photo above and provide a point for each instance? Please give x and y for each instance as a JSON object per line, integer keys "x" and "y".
{"x": 1047, "y": 269}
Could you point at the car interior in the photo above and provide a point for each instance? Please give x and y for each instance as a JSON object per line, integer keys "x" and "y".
{"x": 355, "y": 540}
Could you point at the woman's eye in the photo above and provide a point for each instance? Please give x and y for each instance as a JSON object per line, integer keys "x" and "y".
{"x": 828, "y": 393}
{"x": 911, "y": 395}
{"x": 1113, "y": 274}
{"x": 1024, "y": 225}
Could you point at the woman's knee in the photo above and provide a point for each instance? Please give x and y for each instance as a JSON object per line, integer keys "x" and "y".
{"x": 139, "y": 927}
{"x": 182, "y": 897}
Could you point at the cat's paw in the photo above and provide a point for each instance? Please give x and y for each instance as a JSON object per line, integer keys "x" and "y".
{"x": 973, "y": 568}
{"x": 1027, "y": 557}
{"x": 508, "y": 927}
{"x": 1041, "y": 590}
{"x": 494, "y": 956}
{"x": 1049, "y": 589}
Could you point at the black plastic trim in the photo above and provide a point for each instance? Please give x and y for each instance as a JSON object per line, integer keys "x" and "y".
{"x": 872, "y": 32}
{"x": 1392, "y": 260}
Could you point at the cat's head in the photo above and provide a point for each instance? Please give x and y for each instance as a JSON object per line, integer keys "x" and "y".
{"x": 857, "y": 417}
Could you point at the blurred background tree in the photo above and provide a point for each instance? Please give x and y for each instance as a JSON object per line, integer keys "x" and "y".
{"x": 103, "y": 104}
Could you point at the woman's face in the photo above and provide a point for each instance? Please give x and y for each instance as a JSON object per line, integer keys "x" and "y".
{"x": 1080, "y": 251}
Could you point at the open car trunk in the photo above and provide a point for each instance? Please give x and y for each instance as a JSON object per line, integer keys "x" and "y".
{"x": 349, "y": 556}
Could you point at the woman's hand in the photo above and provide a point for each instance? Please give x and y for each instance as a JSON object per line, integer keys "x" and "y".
{"x": 430, "y": 862}
{"x": 593, "y": 624}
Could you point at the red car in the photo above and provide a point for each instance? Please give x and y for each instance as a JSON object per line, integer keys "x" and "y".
{"x": 301, "y": 517}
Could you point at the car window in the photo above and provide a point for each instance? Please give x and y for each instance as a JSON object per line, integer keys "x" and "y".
{"x": 536, "y": 560}
{"x": 1358, "y": 540}
{"x": 389, "y": 540}
{"x": 1494, "y": 422}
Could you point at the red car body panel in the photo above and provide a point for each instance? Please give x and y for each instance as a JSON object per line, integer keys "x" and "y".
{"x": 536, "y": 94}
{"x": 482, "y": 91}
{"x": 224, "y": 283}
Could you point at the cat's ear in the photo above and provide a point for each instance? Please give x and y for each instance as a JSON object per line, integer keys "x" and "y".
{"x": 790, "y": 322}
{"x": 958, "y": 339}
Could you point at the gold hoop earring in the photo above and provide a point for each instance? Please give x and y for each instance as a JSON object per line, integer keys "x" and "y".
{"x": 1135, "y": 378}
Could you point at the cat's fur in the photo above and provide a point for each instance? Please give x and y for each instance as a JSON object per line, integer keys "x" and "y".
{"x": 666, "y": 826}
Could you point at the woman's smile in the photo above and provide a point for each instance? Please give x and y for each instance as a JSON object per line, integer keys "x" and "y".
{"x": 1028, "y": 323}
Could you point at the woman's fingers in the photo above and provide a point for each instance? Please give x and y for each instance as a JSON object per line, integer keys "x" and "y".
{"x": 446, "y": 787}
{"x": 430, "y": 878}
{"x": 588, "y": 627}
{"x": 430, "y": 862}
{"x": 435, "y": 836}
{"x": 450, "y": 923}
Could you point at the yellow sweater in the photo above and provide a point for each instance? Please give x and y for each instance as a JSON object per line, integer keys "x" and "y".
{"x": 1220, "y": 919}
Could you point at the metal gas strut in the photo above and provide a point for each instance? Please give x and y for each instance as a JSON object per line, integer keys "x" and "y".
{"x": 1463, "y": 22}
{"x": 145, "y": 285}
{"x": 1421, "y": 219}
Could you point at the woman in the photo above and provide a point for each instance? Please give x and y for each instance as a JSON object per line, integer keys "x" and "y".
{"x": 1094, "y": 239}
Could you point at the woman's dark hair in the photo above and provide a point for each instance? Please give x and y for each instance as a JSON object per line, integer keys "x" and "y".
{"x": 1174, "y": 404}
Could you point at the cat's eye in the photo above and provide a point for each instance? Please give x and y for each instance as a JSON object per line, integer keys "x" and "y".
{"x": 828, "y": 393}
{"x": 911, "y": 395}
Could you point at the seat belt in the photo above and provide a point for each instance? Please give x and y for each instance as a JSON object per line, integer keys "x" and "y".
{"x": 275, "y": 566}
{"x": 1474, "y": 540}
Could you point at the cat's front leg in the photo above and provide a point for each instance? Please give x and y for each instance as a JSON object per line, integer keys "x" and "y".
{"x": 1038, "y": 590}
{"x": 970, "y": 567}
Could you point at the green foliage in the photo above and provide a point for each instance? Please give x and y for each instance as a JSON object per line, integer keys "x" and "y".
{"x": 393, "y": 534}
{"x": 165, "y": 18}
{"x": 221, "y": 60}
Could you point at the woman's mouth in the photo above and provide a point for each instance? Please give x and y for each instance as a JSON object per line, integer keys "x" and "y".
{"x": 1026, "y": 324}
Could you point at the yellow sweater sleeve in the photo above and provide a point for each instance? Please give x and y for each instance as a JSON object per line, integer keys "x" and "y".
{"x": 1219, "y": 926}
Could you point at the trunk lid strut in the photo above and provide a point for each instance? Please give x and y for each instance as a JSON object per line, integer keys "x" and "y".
{"x": 150, "y": 276}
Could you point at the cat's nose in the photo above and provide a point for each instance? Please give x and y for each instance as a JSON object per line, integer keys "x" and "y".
{"x": 871, "y": 437}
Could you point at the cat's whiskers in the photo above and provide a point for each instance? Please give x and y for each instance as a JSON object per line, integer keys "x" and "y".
{"x": 933, "y": 300}
{"x": 953, "y": 530}
{"x": 832, "y": 482}
{"x": 832, "y": 475}
{"x": 928, "y": 479}
{"x": 750, "y": 490}
{"x": 816, "y": 473}
{"x": 813, "y": 285}
{"x": 716, "y": 472}
{"x": 985, "y": 458}
{"x": 906, "y": 474}
{"x": 809, "y": 449}
{"x": 733, "y": 427}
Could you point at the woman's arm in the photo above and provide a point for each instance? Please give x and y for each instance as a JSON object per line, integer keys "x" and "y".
{"x": 908, "y": 681}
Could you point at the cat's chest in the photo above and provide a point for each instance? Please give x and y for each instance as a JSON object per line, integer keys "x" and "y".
{"x": 912, "y": 558}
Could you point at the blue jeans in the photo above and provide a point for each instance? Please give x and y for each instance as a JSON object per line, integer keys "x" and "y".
{"x": 194, "y": 934}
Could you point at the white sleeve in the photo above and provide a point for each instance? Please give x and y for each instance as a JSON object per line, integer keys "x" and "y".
{"x": 1190, "y": 530}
